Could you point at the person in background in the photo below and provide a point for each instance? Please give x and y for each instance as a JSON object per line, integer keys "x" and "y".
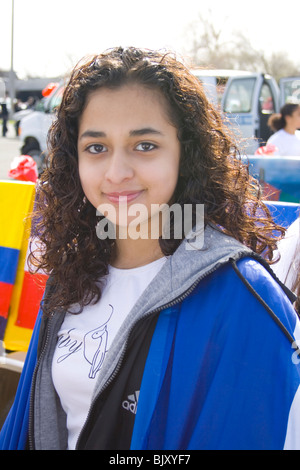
{"x": 4, "y": 115}
{"x": 176, "y": 338}
{"x": 286, "y": 126}
{"x": 17, "y": 107}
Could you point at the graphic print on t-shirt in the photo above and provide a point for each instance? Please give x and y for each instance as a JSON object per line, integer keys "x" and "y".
{"x": 93, "y": 345}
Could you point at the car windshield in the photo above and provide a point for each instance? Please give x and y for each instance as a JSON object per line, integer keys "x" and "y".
{"x": 239, "y": 95}
{"x": 291, "y": 90}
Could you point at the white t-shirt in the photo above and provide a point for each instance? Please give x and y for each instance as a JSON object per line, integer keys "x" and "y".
{"x": 288, "y": 144}
{"x": 289, "y": 248}
{"x": 85, "y": 338}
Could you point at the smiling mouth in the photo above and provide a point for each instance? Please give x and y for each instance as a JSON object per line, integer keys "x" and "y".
{"x": 123, "y": 197}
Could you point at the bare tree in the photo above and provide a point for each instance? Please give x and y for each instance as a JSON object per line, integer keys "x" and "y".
{"x": 279, "y": 65}
{"x": 206, "y": 44}
{"x": 212, "y": 45}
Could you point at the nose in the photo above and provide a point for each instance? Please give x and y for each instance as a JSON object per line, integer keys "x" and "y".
{"x": 119, "y": 168}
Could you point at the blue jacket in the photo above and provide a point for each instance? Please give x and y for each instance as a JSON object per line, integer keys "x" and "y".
{"x": 222, "y": 371}
{"x": 233, "y": 381}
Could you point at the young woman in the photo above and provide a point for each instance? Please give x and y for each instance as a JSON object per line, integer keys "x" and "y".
{"x": 286, "y": 125}
{"x": 160, "y": 329}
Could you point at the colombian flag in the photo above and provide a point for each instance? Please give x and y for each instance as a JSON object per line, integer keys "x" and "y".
{"x": 20, "y": 295}
{"x": 15, "y": 203}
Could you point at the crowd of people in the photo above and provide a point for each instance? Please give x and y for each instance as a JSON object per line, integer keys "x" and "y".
{"x": 180, "y": 340}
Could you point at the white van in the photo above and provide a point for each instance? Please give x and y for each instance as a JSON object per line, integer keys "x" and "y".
{"x": 249, "y": 101}
{"x": 214, "y": 81}
{"x": 34, "y": 126}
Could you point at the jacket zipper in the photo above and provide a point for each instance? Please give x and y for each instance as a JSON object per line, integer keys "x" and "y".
{"x": 120, "y": 361}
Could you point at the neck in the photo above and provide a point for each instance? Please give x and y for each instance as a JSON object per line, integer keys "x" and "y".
{"x": 138, "y": 245}
{"x": 134, "y": 253}
{"x": 290, "y": 129}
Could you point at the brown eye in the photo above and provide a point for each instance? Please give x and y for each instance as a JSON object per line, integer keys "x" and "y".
{"x": 145, "y": 146}
{"x": 96, "y": 148}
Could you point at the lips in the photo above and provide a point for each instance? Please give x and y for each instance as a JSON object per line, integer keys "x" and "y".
{"x": 123, "y": 197}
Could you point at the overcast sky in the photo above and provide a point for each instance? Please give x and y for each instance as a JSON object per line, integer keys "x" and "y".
{"x": 50, "y": 36}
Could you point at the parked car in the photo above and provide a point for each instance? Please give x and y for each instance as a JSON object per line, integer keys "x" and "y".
{"x": 34, "y": 126}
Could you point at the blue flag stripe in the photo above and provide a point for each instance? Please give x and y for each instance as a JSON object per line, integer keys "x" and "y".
{"x": 8, "y": 264}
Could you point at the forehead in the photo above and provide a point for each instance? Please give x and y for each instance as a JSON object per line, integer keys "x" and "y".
{"x": 132, "y": 100}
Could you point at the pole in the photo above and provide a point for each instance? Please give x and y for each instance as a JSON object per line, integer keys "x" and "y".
{"x": 12, "y": 91}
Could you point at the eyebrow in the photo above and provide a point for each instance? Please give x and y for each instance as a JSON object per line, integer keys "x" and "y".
{"x": 145, "y": 130}
{"x": 134, "y": 133}
{"x": 93, "y": 134}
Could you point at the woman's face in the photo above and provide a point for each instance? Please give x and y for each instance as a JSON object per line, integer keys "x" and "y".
{"x": 128, "y": 151}
{"x": 294, "y": 119}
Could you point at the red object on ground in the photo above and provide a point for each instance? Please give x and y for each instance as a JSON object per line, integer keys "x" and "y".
{"x": 24, "y": 168}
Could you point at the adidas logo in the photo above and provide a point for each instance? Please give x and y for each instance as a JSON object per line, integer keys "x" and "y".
{"x": 131, "y": 403}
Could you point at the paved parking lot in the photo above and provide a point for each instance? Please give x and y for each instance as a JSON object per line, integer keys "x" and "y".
{"x": 9, "y": 148}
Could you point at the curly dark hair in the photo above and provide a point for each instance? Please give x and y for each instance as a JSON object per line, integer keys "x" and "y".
{"x": 212, "y": 173}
